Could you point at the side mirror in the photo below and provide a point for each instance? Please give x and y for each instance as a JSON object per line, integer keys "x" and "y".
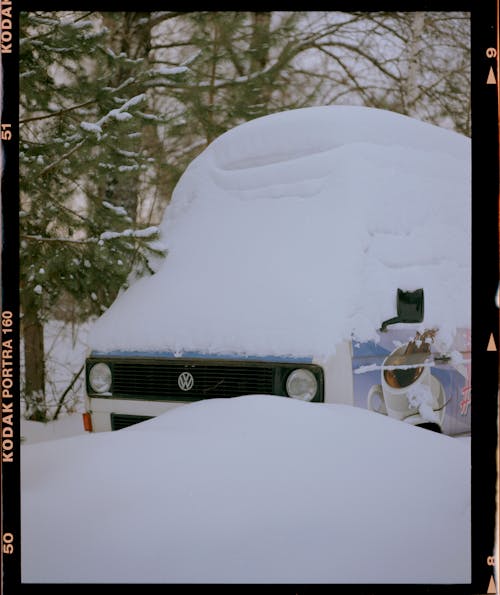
{"x": 410, "y": 308}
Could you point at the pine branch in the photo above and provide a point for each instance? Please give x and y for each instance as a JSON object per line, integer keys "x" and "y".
{"x": 82, "y": 241}
{"x": 45, "y": 170}
{"x": 58, "y": 113}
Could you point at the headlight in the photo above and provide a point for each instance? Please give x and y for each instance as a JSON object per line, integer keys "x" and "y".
{"x": 302, "y": 384}
{"x": 100, "y": 378}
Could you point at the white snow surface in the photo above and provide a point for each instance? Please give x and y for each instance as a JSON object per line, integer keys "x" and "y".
{"x": 245, "y": 490}
{"x": 420, "y": 397}
{"x": 293, "y": 232}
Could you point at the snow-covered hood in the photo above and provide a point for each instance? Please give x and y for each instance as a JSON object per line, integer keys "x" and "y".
{"x": 292, "y": 232}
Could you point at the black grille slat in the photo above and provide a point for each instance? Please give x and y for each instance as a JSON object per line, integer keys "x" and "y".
{"x": 119, "y": 420}
{"x": 160, "y": 380}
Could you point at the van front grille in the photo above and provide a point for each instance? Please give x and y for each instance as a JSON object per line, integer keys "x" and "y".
{"x": 163, "y": 380}
{"x": 188, "y": 380}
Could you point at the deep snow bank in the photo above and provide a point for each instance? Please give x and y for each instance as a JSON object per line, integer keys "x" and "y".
{"x": 250, "y": 489}
{"x": 293, "y": 232}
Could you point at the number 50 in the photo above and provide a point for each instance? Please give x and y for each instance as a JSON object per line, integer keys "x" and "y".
{"x": 8, "y": 546}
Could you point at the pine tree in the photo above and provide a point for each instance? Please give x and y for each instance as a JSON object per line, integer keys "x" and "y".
{"x": 80, "y": 139}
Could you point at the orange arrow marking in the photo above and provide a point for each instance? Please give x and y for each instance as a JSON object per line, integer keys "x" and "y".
{"x": 491, "y": 77}
{"x": 492, "y": 587}
{"x": 491, "y": 344}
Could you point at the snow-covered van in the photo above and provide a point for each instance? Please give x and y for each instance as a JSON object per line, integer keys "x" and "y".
{"x": 320, "y": 254}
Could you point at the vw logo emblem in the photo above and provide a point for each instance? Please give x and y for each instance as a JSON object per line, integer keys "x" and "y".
{"x": 185, "y": 381}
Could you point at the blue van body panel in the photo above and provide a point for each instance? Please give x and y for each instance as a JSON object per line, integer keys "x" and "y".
{"x": 205, "y": 356}
{"x": 454, "y": 376}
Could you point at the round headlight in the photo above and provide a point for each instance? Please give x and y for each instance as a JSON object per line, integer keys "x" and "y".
{"x": 302, "y": 384}
{"x": 100, "y": 378}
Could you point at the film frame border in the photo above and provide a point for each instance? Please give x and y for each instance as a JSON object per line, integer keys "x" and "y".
{"x": 485, "y": 323}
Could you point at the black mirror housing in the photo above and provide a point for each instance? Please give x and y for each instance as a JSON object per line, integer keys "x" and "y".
{"x": 410, "y": 308}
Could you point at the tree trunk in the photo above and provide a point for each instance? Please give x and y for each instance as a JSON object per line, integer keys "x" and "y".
{"x": 413, "y": 76}
{"x": 130, "y": 35}
{"x": 259, "y": 94}
{"x": 34, "y": 363}
{"x": 261, "y": 40}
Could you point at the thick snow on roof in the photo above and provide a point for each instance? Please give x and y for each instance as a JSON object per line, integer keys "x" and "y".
{"x": 293, "y": 232}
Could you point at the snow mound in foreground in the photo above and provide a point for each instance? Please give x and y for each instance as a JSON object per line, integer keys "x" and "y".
{"x": 293, "y": 232}
{"x": 246, "y": 490}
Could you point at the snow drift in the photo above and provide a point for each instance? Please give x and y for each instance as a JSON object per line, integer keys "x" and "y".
{"x": 292, "y": 232}
{"x": 250, "y": 489}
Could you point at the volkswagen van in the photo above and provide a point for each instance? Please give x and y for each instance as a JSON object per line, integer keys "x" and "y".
{"x": 305, "y": 249}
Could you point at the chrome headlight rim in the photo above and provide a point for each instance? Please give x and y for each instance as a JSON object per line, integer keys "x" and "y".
{"x": 303, "y": 377}
{"x": 100, "y": 378}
